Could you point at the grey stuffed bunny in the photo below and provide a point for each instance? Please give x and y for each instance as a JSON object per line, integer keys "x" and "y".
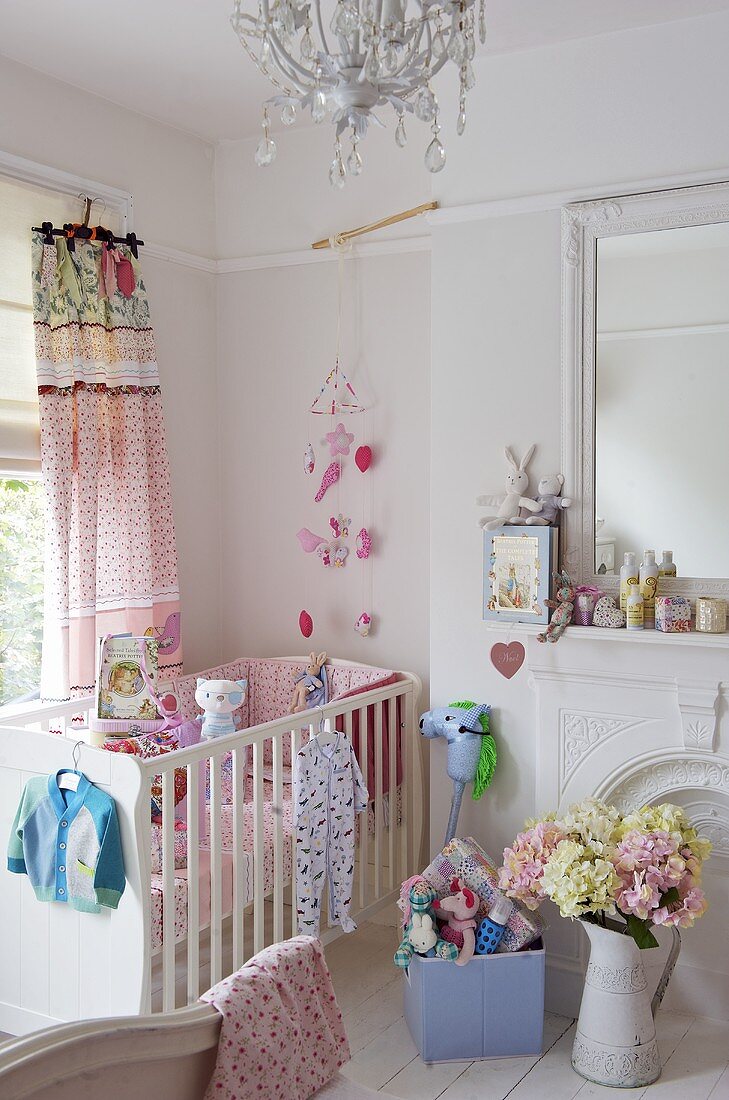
{"x": 550, "y": 500}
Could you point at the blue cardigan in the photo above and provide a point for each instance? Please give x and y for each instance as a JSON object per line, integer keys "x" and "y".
{"x": 68, "y": 844}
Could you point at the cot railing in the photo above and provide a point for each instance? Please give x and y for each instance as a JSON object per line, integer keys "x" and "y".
{"x": 49, "y": 717}
{"x": 243, "y": 914}
{"x": 239, "y": 925}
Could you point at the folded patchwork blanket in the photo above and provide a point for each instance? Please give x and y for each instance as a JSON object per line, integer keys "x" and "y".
{"x": 463, "y": 857}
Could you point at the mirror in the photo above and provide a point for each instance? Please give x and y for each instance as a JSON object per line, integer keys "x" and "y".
{"x": 662, "y": 397}
{"x": 645, "y": 348}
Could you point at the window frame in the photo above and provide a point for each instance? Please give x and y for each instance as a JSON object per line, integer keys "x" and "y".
{"x": 22, "y": 170}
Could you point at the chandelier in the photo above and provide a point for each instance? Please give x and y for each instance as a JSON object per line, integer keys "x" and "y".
{"x": 375, "y": 54}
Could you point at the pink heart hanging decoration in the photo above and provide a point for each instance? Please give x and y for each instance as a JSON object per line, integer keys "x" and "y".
{"x": 363, "y": 458}
{"x": 507, "y": 659}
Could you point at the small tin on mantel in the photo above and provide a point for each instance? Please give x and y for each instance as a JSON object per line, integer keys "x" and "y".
{"x": 673, "y": 614}
{"x": 710, "y": 615}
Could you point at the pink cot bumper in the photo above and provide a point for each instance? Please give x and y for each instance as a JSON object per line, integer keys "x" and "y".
{"x": 181, "y": 881}
{"x": 226, "y": 831}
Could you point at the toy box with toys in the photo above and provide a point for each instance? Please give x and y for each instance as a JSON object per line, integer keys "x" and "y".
{"x": 473, "y": 961}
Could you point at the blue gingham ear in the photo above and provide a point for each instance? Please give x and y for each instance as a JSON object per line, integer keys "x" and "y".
{"x": 471, "y": 718}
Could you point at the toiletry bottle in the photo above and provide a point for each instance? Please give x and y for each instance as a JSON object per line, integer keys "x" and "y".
{"x": 492, "y": 928}
{"x": 648, "y": 585}
{"x": 634, "y": 608}
{"x": 667, "y": 568}
{"x": 628, "y": 576}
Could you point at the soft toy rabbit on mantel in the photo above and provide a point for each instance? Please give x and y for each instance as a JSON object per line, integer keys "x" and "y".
{"x": 510, "y": 501}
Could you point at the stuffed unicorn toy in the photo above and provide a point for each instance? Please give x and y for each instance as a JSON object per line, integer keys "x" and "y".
{"x": 471, "y": 750}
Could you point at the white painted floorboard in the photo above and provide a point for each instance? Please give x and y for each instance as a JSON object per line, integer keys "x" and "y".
{"x": 694, "y": 1050}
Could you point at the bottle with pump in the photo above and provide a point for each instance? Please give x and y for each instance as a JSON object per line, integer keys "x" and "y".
{"x": 628, "y": 576}
{"x": 648, "y": 579}
{"x": 667, "y": 567}
{"x": 634, "y": 608}
{"x": 491, "y": 929}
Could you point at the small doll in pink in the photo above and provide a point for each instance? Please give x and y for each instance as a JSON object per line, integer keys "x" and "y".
{"x": 459, "y": 909}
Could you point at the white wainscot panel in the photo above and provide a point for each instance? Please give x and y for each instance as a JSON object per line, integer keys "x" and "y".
{"x": 633, "y": 723}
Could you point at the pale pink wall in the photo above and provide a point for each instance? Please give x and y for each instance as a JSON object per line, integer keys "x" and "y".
{"x": 276, "y": 345}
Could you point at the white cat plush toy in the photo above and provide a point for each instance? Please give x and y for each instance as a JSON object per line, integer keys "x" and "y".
{"x": 218, "y": 699}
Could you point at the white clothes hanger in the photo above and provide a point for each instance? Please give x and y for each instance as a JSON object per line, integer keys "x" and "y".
{"x": 69, "y": 781}
{"x": 324, "y": 733}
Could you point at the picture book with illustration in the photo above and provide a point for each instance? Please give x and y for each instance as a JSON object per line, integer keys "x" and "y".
{"x": 121, "y": 688}
{"x": 518, "y": 564}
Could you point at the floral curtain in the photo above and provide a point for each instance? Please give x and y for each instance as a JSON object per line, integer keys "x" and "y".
{"x": 111, "y": 559}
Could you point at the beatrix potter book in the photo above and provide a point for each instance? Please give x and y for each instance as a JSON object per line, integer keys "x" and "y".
{"x": 120, "y": 687}
{"x": 518, "y": 566}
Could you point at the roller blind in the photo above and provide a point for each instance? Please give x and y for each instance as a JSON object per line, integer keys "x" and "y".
{"x": 21, "y": 207}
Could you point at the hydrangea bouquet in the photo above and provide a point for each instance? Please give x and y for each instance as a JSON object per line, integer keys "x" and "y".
{"x": 593, "y": 861}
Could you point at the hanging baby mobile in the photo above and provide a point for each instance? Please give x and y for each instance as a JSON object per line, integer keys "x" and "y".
{"x": 338, "y": 451}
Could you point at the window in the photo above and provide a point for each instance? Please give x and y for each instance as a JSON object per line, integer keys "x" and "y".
{"x": 21, "y": 587}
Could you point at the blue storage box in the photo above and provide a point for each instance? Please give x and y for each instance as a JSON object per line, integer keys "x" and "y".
{"x": 491, "y": 1008}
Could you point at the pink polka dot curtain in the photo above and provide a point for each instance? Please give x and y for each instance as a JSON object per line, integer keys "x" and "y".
{"x": 111, "y": 558}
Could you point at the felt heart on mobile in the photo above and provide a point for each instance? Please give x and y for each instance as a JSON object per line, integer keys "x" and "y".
{"x": 507, "y": 659}
{"x": 606, "y": 614}
{"x": 363, "y": 457}
{"x": 306, "y": 624}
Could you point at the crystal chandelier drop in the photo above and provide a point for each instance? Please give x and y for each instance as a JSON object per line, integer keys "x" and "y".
{"x": 375, "y": 53}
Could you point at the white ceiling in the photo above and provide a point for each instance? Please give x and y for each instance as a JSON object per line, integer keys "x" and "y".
{"x": 180, "y": 62}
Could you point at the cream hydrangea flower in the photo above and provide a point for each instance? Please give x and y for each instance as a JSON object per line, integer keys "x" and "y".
{"x": 579, "y": 881}
{"x": 594, "y": 823}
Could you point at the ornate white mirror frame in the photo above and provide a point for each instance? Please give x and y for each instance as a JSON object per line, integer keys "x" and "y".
{"x": 582, "y": 225}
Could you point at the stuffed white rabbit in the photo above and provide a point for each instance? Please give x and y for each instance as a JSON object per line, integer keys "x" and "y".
{"x": 422, "y": 934}
{"x": 509, "y": 502}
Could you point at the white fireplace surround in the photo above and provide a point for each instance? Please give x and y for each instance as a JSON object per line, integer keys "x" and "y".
{"x": 635, "y": 723}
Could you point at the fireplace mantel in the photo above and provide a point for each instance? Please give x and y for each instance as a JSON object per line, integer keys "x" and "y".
{"x": 579, "y": 634}
{"x": 632, "y": 723}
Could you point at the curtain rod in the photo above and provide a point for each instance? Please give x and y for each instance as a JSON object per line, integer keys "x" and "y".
{"x": 74, "y": 232}
{"x": 349, "y": 234}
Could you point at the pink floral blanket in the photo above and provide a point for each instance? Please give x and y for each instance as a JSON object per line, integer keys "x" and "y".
{"x": 282, "y": 1035}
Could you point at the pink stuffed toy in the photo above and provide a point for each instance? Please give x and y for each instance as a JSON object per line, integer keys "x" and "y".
{"x": 459, "y": 910}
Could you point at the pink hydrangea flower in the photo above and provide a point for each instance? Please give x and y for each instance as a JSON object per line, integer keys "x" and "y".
{"x": 650, "y": 864}
{"x": 524, "y": 862}
{"x": 692, "y": 906}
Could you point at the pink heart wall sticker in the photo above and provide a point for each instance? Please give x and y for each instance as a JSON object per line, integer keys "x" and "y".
{"x": 507, "y": 659}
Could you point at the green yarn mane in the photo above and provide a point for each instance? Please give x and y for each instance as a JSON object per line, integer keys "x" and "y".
{"x": 487, "y": 759}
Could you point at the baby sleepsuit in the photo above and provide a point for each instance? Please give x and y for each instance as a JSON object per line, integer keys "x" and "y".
{"x": 329, "y": 791}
